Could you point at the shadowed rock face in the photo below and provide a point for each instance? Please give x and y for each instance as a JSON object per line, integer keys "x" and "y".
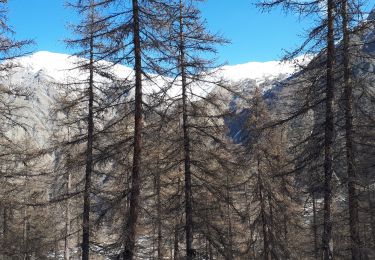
{"x": 363, "y": 67}
{"x": 371, "y": 15}
{"x": 367, "y": 37}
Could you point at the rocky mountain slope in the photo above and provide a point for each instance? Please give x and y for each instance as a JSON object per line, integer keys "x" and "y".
{"x": 40, "y": 73}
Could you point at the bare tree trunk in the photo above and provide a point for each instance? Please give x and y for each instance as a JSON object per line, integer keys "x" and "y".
{"x": 355, "y": 242}
{"x": 26, "y": 223}
{"x": 56, "y": 246}
{"x": 263, "y": 214}
{"x": 230, "y": 232}
{"x": 186, "y": 137}
{"x": 251, "y": 231}
{"x": 67, "y": 222}
{"x": 270, "y": 226}
{"x": 371, "y": 208}
{"x": 328, "y": 136}
{"x": 154, "y": 227}
{"x": 158, "y": 212}
{"x": 175, "y": 242}
{"x": 286, "y": 222}
{"x": 67, "y": 209}
{"x": 315, "y": 227}
{"x": 211, "y": 255}
{"x": 5, "y": 232}
{"x": 171, "y": 250}
{"x": 132, "y": 220}
{"x": 89, "y": 152}
{"x": 178, "y": 223}
{"x": 26, "y": 229}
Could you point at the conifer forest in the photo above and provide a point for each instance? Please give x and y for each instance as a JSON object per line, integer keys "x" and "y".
{"x": 140, "y": 144}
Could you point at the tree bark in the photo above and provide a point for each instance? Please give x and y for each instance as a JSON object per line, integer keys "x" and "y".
{"x": 328, "y": 136}
{"x": 67, "y": 222}
{"x": 263, "y": 214}
{"x": 229, "y": 223}
{"x": 89, "y": 149}
{"x": 186, "y": 137}
{"x": 132, "y": 220}
{"x": 315, "y": 227}
{"x": 371, "y": 212}
{"x": 158, "y": 212}
{"x": 5, "y": 232}
{"x": 175, "y": 242}
{"x": 26, "y": 229}
{"x": 355, "y": 242}
{"x": 230, "y": 242}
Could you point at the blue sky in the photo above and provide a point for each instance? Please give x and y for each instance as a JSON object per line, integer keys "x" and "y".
{"x": 254, "y": 36}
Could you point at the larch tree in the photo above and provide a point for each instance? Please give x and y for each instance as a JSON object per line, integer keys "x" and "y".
{"x": 317, "y": 35}
{"x": 136, "y": 44}
{"x": 84, "y": 101}
{"x": 200, "y": 118}
{"x": 13, "y": 131}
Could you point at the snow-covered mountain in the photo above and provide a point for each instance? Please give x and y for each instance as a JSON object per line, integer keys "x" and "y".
{"x": 261, "y": 71}
{"x": 38, "y": 74}
{"x": 58, "y": 66}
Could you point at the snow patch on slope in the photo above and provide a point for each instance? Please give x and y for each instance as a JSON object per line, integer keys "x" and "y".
{"x": 39, "y": 72}
{"x": 263, "y": 71}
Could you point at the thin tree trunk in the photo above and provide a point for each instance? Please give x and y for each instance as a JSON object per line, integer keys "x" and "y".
{"x": 230, "y": 232}
{"x": 263, "y": 214}
{"x": 175, "y": 242}
{"x": 328, "y": 136}
{"x": 26, "y": 223}
{"x": 286, "y": 222}
{"x": 79, "y": 235}
{"x": 211, "y": 255}
{"x": 251, "y": 233}
{"x": 26, "y": 228}
{"x": 270, "y": 226}
{"x": 371, "y": 208}
{"x": 68, "y": 216}
{"x": 158, "y": 212}
{"x": 178, "y": 223}
{"x": 351, "y": 170}
{"x": 186, "y": 137}
{"x": 5, "y": 232}
{"x": 132, "y": 220}
{"x": 365, "y": 236}
{"x": 67, "y": 222}
{"x": 315, "y": 228}
{"x": 89, "y": 151}
{"x": 171, "y": 250}
{"x": 154, "y": 227}
{"x": 56, "y": 246}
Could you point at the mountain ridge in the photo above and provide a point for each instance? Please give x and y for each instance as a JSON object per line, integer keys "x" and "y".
{"x": 41, "y": 73}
